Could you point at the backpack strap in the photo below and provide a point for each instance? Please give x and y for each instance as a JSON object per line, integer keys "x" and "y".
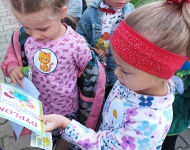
{"x": 91, "y": 85}
{"x": 22, "y": 39}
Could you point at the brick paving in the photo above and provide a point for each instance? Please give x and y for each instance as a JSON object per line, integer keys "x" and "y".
{"x": 8, "y": 24}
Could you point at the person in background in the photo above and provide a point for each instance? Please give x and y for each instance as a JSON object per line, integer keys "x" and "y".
{"x": 97, "y": 24}
{"x": 138, "y": 111}
{"x": 74, "y": 12}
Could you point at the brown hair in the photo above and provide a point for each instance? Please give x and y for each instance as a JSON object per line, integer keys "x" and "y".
{"x": 165, "y": 24}
{"x": 31, "y": 6}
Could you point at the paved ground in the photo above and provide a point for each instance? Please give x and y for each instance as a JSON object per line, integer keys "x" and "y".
{"x": 7, "y": 25}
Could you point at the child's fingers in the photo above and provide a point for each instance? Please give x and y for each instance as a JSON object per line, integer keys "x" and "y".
{"x": 42, "y": 117}
{"x": 96, "y": 50}
{"x": 12, "y": 78}
{"x": 45, "y": 118}
{"x": 15, "y": 75}
{"x": 48, "y": 121}
{"x": 102, "y": 54}
{"x": 17, "y": 80}
{"x": 49, "y": 127}
{"x": 20, "y": 75}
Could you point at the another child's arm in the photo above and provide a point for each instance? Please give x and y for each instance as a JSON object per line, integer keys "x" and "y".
{"x": 54, "y": 121}
{"x": 84, "y": 27}
{"x": 87, "y": 138}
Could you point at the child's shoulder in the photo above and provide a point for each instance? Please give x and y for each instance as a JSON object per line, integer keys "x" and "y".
{"x": 94, "y": 6}
{"x": 17, "y": 36}
{"x": 73, "y": 34}
{"x": 75, "y": 37}
{"x": 129, "y": 7}
{"x": 17, "y": 32}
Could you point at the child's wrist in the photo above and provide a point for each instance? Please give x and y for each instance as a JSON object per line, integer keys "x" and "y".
{"x": 65, "y": 123}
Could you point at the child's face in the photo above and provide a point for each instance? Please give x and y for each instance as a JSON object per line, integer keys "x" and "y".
{"x": 41, "y": 25}
{"x": 136, "y": 79}
{"x": 118, "y": 4}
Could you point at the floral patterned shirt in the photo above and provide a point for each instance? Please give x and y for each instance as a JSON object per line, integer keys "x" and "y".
{"x": 131, "y": 121}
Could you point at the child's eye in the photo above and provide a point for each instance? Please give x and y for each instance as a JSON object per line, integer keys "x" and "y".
{"x": 43, "y": 30}
{"x": 26, "y": 28}
{"x": 124, "y": 72}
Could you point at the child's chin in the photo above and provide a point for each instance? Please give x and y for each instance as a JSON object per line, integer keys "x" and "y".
{"x": 122, "y": 83}
{"x": 43, "y": 40}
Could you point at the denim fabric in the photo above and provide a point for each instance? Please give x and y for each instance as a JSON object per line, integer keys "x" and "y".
{"x": 74, "y": 8}
{"x": 90, "y": 27}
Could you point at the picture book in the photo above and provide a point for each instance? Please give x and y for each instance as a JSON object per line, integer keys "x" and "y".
{"x": 20, "y": 107}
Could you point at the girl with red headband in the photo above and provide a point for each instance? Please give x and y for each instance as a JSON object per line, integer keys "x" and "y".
{"x": 149, "y": 46}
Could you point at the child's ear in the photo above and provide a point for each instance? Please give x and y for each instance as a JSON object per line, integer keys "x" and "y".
{"x": 63, "y": 11}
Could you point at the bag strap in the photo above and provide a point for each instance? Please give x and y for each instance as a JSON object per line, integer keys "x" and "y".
{"x": 22, "y": 39}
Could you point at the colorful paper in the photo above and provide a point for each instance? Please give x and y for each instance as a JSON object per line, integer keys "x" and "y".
{"x": 29, "y": 88}
{"x": 21, "y": 108}
{"x": 45, "y": 143}
{"x": 27, "y": 72}
{"x": 101, "y": 44}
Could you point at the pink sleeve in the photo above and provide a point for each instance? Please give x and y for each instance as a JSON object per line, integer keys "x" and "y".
{"x": 13, "y": 56}
{"x": 82, "y": 56}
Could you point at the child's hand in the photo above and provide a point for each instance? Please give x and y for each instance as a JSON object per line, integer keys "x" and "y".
{"x": 54, "y": 121}
{"x": 100, "y": 52}
{"x": 15, "y": 75}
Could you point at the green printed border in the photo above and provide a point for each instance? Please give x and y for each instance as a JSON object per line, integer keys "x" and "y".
{"x": 42, "y": 123}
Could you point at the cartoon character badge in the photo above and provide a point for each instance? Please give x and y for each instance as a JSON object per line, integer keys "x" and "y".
{"x": 45, "y": 60}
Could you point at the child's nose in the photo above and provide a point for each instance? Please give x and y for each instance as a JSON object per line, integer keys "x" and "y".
{"x": 35, "y": 35}
{"x": 117, "y": 72}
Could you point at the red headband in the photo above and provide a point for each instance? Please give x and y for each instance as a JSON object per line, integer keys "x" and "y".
{"x": 144, "y": 55}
